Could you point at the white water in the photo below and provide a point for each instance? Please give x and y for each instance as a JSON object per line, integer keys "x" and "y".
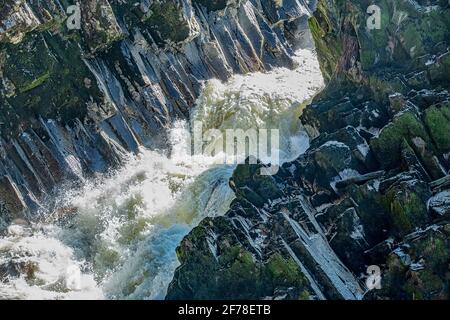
{"x": 123, "y": 229}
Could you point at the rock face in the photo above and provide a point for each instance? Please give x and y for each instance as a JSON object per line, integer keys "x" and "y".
{"x": 74, "y": 102}
{"x": 373, "y": 188}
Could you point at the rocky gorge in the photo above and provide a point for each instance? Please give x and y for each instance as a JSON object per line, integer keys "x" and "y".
{"x": 75, "y": 102}
{"x": 373, "y": 188}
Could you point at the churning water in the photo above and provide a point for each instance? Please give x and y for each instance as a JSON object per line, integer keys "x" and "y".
{"x": 115, "y": 238}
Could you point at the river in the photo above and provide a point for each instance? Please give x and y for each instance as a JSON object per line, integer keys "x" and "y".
{"x": 115, "y": 237}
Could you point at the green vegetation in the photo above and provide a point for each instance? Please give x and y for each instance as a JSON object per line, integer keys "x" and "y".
{"x": 166, "y": 22}
{"x": 35, "y": 83}
{"x": 327, "y": 44}
{"x": 234, "y": 273}
{"x": 388, "y": 145}
{"x": 437, "y": 120}
{"x": 430, "y": 281}
{"x": 46, "y": 77}
{"x": 407, "y": 210}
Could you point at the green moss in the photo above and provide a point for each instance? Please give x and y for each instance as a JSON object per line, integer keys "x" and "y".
{"x": 49, "y": 75}
{"x": 246, "y": 278}
{"x": 328, "y": 48}
{"x": 436, "y": 251}
{"x": 407, "y": 207}
{"x": 387, "y": 145}
{"x": 284, "y": 272}
{"x": 372, "y": 43}
{"x": 412, "y": 40}
{"x": 166, "y": 23}
{"x": 407, "y": 211}
{"x": 35, "y": 83}
{"x": 404, "y": 36}
{"x": 431, "y": 281}
{"x": 54, "y": 24}
{"x": 236, "y": 274}
{"x": 437, "y": 120}
{"x": 426, "y": 283}
{"x": 100, "y": 31}
{"x": 304, "y": 295}
{"x": 249, "y": 184}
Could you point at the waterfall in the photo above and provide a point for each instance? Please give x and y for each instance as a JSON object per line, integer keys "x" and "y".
{"x": 115, "y": 237}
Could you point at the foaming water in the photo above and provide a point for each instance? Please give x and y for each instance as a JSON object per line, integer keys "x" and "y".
{"x": 118, "y": 234}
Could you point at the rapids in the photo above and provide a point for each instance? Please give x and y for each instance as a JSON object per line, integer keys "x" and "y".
{"x": 115, "y": 237}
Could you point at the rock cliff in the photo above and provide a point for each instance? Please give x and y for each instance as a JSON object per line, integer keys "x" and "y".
{"x": 80, "y": 87}
{"x": 372, "y": 190}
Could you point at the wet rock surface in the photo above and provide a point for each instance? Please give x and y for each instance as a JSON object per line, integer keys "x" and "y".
{"x": 75, "y": 102}
{"x": 373, "y": 188}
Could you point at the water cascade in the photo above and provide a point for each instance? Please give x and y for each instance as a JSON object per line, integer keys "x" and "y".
{"x": 115, "y": 237}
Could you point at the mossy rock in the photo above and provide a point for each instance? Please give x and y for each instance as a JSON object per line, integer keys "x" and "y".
{"x": 387, "y": 146}
{"x": 423, "y": 275}
{"x": 371, "y": 211}
{"x": 216, "y": 265}
{"x": 100, "y": 28}
{"x": 236, "y": 275}
{"x": 166, "y": 23}
{"x": 42, "y": 85}
{"x": 249, "y": 184}
{"x": 437, "y": 120}
{"x": 327, "y": 44}
{"x": 405, "y": 35}
{"x": 439, "y": 71}
{"x": 407, "y": 204}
